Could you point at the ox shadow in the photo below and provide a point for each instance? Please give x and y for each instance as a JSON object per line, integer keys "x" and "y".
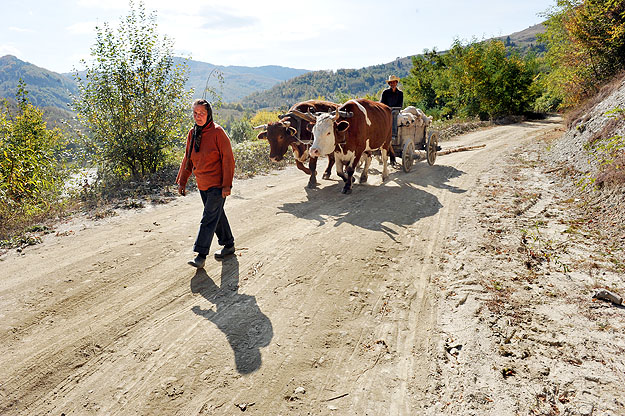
{"x": 375, "y": 207}
{"x": 237, "y": 315}
{"x": 424, "y": 175}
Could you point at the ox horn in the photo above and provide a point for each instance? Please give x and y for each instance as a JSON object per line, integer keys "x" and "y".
{"x": 286, "y": 123}
{"x": 306, "y": 116}
{"x": 337, "y": 113}
{"x": 261, "y": 127}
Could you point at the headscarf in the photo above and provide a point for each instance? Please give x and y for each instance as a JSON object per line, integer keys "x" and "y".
{"x": 197, "y": 130}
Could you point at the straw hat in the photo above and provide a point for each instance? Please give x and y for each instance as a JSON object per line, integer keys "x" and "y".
{"x": 392, "y": 78}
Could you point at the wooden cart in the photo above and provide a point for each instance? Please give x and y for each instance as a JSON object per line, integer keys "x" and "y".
{"x": 410, "y": 138}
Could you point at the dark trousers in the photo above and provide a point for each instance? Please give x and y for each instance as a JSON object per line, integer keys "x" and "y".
{"x": 214, "y": 221}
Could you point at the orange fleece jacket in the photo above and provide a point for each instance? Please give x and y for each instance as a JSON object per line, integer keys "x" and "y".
{"x": 213, "y": 165}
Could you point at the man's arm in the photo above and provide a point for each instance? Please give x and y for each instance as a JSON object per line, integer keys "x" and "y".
{"x": 384, "y": 97}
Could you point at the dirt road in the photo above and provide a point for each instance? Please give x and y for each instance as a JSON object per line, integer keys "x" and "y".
{"x": 328, "y": 307}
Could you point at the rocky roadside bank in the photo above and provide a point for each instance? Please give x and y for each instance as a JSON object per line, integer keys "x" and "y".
{"x": 519, "y": 329}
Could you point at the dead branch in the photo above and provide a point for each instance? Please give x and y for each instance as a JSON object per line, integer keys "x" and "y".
{"x": 460, "y": 149}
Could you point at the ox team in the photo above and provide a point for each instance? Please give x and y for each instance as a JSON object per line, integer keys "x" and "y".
{"x": 345, "y": 134}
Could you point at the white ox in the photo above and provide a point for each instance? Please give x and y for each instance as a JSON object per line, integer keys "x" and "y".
{"x": 353, "y": 131}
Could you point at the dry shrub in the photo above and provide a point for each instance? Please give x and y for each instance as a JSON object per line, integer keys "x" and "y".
{"x": 614, "y": 174}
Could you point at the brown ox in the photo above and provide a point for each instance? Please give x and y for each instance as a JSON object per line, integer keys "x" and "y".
{"x": 293, "y": 130}
{"x": 358, "y": 127}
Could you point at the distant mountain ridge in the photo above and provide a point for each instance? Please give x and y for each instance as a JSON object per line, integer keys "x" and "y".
{"x": 47, "y": 88}
{"x": 238, "y": 81}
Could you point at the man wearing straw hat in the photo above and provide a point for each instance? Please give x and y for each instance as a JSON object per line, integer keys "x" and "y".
{"x": 394, "y": 98}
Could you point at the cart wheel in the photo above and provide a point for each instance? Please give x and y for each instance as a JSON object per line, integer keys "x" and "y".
{"x": 432, "y": 147}
{"x": 407, "y": 156}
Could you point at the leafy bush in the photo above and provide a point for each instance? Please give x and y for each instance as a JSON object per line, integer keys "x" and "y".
{"x": 132, "y": 99}
{"x": 252, "y": 158}
{"x": 241, "y": 130}
{"x": 264, "y": 117}
{"x": 32, "y": 175}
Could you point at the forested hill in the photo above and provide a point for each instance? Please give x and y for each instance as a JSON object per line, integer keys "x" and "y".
{"x": 331, "y": 85}
{"x": 525, "y": 41}
{"x": 45, "y": 88}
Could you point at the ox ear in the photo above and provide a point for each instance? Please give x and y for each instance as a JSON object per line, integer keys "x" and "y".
{"x": 342, "y": 126}
{"x": 291, "y": 131}
{"x": 262, "y": 136}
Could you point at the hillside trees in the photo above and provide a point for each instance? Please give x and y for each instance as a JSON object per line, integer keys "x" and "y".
{"x": 478, "y": 79}
{"x": 330, "y": 85}
{"x": 586, "y": 40}
{"x": 131, "y": 98}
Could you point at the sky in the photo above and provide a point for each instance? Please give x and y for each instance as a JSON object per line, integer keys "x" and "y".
{"x": 310, "y": 34}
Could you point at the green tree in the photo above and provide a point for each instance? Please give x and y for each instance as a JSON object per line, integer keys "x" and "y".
{"x": 132, "y": 98}
{"x": 264, "y": 117}
{"x": 241, "y": 130}
{"x": 425, "y": 85}
{"x": 586, "y": 46}
{"x": 30, "y": 171}
{"x": 478, "y": 79}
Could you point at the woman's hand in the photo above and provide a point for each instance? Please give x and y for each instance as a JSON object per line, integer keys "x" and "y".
{"x": 225, "y": 192}
{"x": 181, "y": 190}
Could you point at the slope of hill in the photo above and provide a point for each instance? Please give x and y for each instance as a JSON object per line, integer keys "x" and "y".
{"x": 526, "y": 41}
{"x": 329, "y": 84}
{"x": 334, "y": 85}
{"x": 45, "y": 88}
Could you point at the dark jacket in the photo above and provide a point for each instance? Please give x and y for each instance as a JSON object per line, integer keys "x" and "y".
{"x": 393, "y": 99}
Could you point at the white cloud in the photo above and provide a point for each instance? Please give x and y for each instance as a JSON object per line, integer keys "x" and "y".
{"x": 107, "y": 5}
{"x": 20, "y": 29}
{"x": 82, "y": 28}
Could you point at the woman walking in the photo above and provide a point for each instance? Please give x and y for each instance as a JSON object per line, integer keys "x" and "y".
{"x": 209, "y": 157}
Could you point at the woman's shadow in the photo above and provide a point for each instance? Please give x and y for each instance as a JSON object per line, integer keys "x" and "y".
{"x": 236, "y": 315}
